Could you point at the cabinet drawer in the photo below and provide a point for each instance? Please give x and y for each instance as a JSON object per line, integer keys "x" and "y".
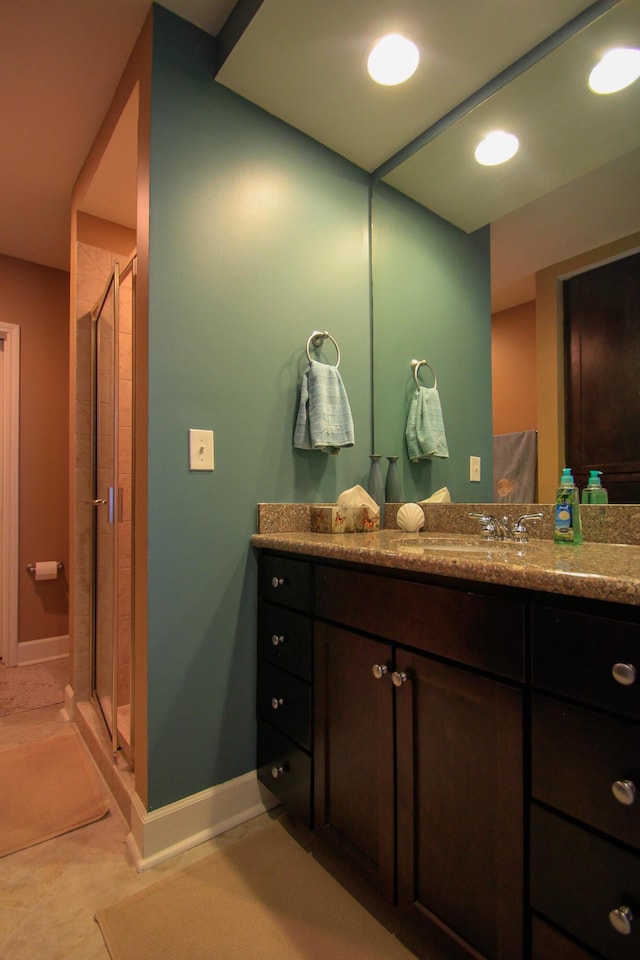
{"x": 286, "y": 581}
{"x": 285, "y": 702}
{"x": 474, "y": 629}
{"x": 573, "y": 655}
{"x": 285, "y": 770}
{"x": 284, "y": 638}
{"x": 577, "y": 878}
{"x": 577, "y": 756}
{"x": 547, "y": 943}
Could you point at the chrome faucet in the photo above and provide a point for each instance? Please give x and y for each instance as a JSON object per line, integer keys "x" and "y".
{"x": 496, "y": 528}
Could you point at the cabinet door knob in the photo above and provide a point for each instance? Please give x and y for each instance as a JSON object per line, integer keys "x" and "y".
{"x": 277, "y": 582}
{"x": 624, "y": 673}
{"x": 379, "y": 670}
{"x": 624, "y": 791}
{"x": 277, "y": 702}
{"x": 398, "y": 678}
{"x": 278, "y": 771}
{"x": 621, "y": 919}
{"x": 277, "y": 640}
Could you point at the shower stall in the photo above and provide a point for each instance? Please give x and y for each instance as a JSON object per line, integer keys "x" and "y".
{"x": 112, "y": 330}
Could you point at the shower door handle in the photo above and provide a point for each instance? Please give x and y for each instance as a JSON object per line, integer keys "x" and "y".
{"x": 115, "y": 504}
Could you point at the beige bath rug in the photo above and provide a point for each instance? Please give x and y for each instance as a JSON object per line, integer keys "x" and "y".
{"x": 47, "y": 788}
{"x": 264, "y": 897}
{"x": 32, "y": 686}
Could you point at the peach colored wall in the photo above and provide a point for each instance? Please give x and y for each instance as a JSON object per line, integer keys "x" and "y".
{"x": 103, "y": 233}
{"x": 513, "y": 359}
{"x": 37, "y": 299}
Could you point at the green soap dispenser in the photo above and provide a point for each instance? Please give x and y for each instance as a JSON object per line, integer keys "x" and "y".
{"x": 567, "y": 523}
{"x": 594, "y": 492}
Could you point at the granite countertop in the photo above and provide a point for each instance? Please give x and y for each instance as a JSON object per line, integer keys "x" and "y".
{"x": 600, "y": 571}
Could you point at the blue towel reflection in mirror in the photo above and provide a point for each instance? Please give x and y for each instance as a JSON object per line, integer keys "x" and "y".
{"x": 424, "y": 432}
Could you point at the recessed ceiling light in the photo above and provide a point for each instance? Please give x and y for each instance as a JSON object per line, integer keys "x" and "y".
{"x": 496, "y": 148}
{"x": 393, "y": 60}
{"x": 618, "y": 69}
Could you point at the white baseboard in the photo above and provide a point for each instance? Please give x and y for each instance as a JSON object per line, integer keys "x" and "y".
{"x": 39, "y": 651}
{"x": 164, "y": 833}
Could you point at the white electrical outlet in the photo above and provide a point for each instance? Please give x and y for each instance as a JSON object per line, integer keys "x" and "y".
{"x": 474, "y": 469}
{"x": 200, "y": 449}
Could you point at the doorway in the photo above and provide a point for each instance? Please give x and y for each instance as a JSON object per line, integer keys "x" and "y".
{"x": 111, "y": 486}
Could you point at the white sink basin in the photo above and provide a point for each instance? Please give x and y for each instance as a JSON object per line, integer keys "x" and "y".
{"x": 457, "y": 543}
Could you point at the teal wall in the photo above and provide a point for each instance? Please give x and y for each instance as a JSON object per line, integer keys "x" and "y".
{"x": 257, "y": 237}
{"x": 432, "y": 301}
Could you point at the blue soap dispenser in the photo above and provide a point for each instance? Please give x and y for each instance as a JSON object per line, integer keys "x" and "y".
{"x": 567, "y": 522}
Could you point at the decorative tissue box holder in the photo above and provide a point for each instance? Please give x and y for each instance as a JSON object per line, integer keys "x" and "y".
{"x": 333, "y": 519}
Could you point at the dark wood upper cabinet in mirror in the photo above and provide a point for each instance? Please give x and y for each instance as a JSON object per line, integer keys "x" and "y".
{"x": 602, "y": 390}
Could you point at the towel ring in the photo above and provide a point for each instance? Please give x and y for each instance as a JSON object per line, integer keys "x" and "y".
{"x": 416, "y": 364}
{"x": 317, "y": 338}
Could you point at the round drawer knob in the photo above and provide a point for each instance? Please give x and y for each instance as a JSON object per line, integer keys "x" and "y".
{"x": 624, "y": 673}
{"x": 379, "y": 670}
{"x": 398, "y": 678}
{"x": 277, "y": 582}
{"x": 276, "y": 640}
{"x": 624, "y": 791}
{"x": 277, "y": 702}
{"x": 621, "y": 919}
{"x": 278, "y": 771}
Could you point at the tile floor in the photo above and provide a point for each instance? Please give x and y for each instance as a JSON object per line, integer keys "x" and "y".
{"x": 49, "y": 893}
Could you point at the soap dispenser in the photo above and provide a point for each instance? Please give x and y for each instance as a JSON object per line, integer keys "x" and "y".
{"x": 567, "y": 522}
{"x": 594, "y": 492}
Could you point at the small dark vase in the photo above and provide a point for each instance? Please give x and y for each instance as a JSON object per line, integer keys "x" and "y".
{"x": 393, "y": 485}
{"x": 375, "y": 486}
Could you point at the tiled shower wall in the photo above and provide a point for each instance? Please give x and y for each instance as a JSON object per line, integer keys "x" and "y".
{"x": 94, "y": 267}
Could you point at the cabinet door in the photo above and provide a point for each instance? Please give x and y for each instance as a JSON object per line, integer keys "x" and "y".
{"x": 460, "y": 805}
{"x": 353, "y": 751}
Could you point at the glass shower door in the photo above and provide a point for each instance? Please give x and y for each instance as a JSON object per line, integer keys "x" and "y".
{"x": 112, "y": 501}
{"x": 105, "y": 416}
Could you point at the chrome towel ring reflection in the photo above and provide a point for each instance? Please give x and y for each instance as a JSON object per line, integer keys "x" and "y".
{"x": 317, "y": 338}
{"x": 416, "y": 364}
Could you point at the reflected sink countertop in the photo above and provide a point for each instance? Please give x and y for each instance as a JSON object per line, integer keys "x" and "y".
{"x": 600, "y": 571}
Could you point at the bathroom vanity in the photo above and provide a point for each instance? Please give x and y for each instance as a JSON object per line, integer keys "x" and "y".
{"x": 463, "y": 727}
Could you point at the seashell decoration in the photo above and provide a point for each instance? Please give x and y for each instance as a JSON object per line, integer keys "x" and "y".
{"x": 410, "y": 517}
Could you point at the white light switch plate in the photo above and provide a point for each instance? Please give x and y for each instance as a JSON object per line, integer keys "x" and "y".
{"x": 200, "y": 449}
{"x": 474, "y": 469}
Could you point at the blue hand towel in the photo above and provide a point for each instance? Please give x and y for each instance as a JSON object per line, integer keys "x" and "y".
{"x": 324, "y": 417}
{"x": 425, "y": 429}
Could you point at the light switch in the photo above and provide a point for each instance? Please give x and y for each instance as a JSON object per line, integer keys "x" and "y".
{"x": 200, "y": 449}
{"x": 474, "y": 469}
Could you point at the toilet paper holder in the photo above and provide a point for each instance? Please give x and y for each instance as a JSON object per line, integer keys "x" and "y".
{"x": 31, "y": 567}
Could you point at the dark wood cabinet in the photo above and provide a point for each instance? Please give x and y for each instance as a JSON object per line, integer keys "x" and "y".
{"x": 474, "y": 753}
{"x": 585, "y": 772}
{"x": 354, "y": 751}
{"x": 460, "y": 803}
{"x": 404, "y": 737}
{"x": 284, "y": 691}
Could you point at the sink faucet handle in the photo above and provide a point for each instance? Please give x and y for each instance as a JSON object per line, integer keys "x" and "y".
{"x": 489, "y": 523}
{"x": 520, "y": 532}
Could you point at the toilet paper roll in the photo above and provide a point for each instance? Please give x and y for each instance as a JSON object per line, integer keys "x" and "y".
{"x": 46, "y": 569}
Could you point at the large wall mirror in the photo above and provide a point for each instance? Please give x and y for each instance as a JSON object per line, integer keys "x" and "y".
{"x": 568, "y": 201}
{"x": 570, "y": 195}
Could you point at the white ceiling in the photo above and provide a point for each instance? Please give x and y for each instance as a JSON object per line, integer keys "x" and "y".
{"x": 60, "y": 62}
